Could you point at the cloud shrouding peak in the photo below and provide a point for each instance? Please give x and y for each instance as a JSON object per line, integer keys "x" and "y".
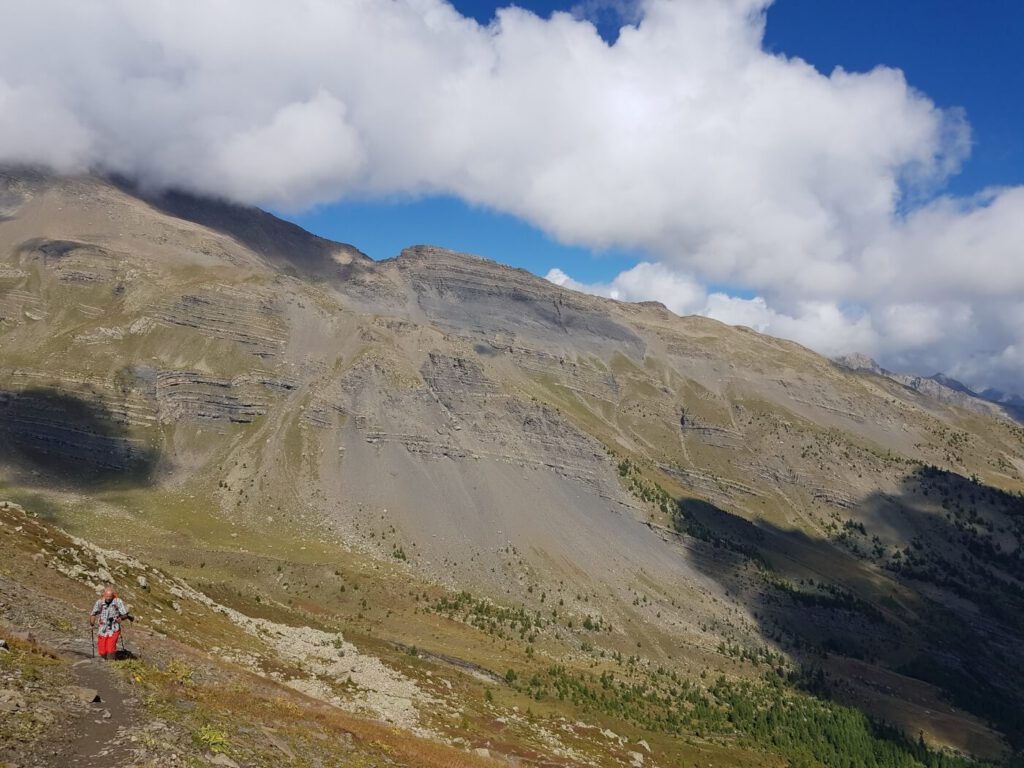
{"x": 685, "y": 139}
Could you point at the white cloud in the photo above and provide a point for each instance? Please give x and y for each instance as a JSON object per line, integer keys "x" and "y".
{"x": 36, "y": 129}
{"x": 753, "y": 313}
{"x": 685, "y": 139}
{"x": 820, "y": 325}
{"x": 314, "y": 153}
{"x": 644, "y": 282}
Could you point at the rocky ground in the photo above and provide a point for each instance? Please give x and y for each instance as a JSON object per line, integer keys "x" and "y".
{"x": 63, "y": 707}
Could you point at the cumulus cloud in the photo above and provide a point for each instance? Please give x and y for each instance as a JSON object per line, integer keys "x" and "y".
{"x": 644, "y": 282}
{"x": 685, "y": 139}
{"x": 818, "y": 324}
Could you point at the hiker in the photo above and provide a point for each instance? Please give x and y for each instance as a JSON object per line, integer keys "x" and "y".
{"x": 106, "y": 617}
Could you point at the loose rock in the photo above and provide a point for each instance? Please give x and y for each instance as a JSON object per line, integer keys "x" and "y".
{"x": 84, "y": 695}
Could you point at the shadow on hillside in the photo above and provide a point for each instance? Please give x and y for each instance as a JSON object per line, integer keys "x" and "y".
{"x": 63, "y": 439}
{"x": 946, "y": 606}
{"x": 287, "y": 245}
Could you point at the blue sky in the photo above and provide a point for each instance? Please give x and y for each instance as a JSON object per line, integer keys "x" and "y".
{"x": 960, "y": 54}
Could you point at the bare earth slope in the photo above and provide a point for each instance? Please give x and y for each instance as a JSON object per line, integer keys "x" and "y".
{"x": 191, "y": 379}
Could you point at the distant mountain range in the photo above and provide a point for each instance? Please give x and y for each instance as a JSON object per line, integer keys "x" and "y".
{"x": 944, "y": 388}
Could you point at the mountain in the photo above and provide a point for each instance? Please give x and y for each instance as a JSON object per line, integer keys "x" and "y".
{"x": 1013, "y": 403}
{"x": 944, "y": 388}
{"x": 529, "y": 517}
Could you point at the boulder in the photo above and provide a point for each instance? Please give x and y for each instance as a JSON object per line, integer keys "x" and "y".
{"x": 84, "y": 695}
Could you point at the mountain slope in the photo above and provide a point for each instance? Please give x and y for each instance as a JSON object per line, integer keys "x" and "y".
{"x": 217, "y": 390}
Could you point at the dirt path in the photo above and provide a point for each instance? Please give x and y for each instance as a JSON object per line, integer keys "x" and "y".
{"x": 102, "y": 735}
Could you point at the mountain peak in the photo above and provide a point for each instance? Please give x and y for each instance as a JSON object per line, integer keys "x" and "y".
{"x": 951, "y": 383}
{"x": 858, "y": 361}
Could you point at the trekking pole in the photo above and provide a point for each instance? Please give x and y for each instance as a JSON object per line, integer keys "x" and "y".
{"x": 120, "y": 637}
{"x": 92, "y": 639}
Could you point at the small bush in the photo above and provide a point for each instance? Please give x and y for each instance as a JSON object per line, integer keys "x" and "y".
{"x": 211, "y": 738}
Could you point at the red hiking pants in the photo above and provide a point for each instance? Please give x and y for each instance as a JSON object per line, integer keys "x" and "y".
{"x": 108, "y": 644}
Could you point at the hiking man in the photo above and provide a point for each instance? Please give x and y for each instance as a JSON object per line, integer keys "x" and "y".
{"x": 106, "y": 617}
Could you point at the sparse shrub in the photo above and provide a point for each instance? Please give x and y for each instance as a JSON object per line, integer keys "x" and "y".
{"x": 211, "y": 738}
